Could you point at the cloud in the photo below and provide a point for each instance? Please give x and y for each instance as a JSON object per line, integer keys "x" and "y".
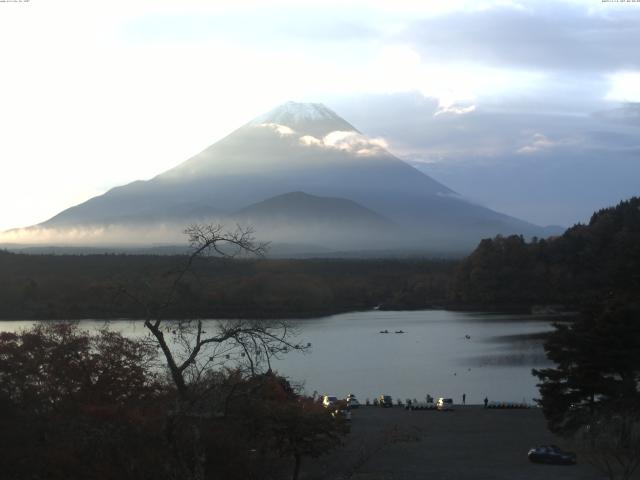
{"x": 488, "y": 134}
{"x": 310, "y": 140}
{"x": 348, "y": 141}
{"x": 625, "y": 87}
{"x": 95, "y": 235}
{"x": 626, "y": 114}
{"x": 345, "y": 140}
{"x": 275, "y": 25}
{"x": 541, "y": 142}
{"x": 454, "y": 109}
{"x": 419, "y": 133}
{"x": 281, "y": 130}
{"x": 543, "y": 36}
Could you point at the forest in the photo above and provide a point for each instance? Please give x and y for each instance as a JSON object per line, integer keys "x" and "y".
{"x": 80, "y": 405}
{"x": 89, "y": 286}
{"x": 588, "y": 262}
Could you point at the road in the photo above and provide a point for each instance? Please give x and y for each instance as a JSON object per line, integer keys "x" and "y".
{"x": 469, "y": 443}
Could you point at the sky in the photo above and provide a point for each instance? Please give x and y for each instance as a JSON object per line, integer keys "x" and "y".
{"x": 99, "y": 94}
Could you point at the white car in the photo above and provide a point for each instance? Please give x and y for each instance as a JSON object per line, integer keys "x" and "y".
{"x": 352, "y": 401}
{"x": 444, "y": 404}
{"x": 421, "y": 406}
{"x": 329, "y": 401}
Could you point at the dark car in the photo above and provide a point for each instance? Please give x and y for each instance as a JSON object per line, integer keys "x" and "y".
{"x": 385, "y": 401}
{"x": 551, "y": 454}
{"x": 342, "y": 413}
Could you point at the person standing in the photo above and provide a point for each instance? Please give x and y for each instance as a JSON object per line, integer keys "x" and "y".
{"x": 464, "y": 398}
{"x": 486, "y": 401}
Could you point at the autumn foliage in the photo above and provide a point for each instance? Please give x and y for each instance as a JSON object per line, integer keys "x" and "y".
{"x": 75, "y": 405}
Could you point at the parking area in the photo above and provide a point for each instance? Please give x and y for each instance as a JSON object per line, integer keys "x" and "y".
{"x": 469, "y": 442}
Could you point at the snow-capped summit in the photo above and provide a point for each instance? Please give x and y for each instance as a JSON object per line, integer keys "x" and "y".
{"x": 306, "y": 118}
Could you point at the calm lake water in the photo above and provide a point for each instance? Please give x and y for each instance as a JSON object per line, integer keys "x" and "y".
{"x": 441, "y": 353}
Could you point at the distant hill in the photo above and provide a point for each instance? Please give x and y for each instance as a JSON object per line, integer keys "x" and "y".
{"x": 587, "y": 262}
{"x": 301, "y": 207}
{"x": 297, "y": 147}
{"x": 323, "y": 221}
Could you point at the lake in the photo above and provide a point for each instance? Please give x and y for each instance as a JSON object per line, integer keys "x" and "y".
{"x": 442, "y": 353}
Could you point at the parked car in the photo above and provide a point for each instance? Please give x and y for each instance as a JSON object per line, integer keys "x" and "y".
{"x": 385, "y": 401}
{"x": 421, "y": 406}
{"x": 551, "y": 454}
{"x": 352, "y": 401}
{"x": 342, "y": 413}
{"x": 444, "y": 404}
{"x": 329, "y": 401}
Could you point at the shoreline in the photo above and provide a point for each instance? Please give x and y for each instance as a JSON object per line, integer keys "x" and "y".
{"x": 310, "y": 315}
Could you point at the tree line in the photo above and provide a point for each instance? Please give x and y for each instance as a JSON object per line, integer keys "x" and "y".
{"x": 87, "y": 286}
{"x": 587, "y": 262}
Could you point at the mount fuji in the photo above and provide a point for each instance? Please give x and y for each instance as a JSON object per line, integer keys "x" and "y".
{"x": 300, "y": 174}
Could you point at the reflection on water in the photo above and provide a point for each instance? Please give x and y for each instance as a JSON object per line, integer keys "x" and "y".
{"x": 527, "y": 359}
{"x": 441, "y": 353}
{"x": 534, "y": 338}
{"x": 520, "y": 349}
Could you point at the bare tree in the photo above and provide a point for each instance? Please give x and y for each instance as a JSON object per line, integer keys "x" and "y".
{"x": 611, "y": 443}
{"x": 192, "y": 350}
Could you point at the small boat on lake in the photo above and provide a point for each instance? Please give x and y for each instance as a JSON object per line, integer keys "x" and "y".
{"x": 384, "y": 331}
{"x": 399, "y": 331}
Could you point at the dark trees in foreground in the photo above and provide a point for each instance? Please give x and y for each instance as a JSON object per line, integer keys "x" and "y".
{"x": 597, "y": 359}
{"x": 611, "y": 443}
{"x": 183, "y": 344}
{"x": 75, "y": 405}
{"x": 192, "y": 354}
{"x": 592, "y": 396}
